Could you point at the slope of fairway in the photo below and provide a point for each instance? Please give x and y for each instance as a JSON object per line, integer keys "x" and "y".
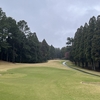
{"x": 47, "y": 81}
{"x": 51, "y": 63}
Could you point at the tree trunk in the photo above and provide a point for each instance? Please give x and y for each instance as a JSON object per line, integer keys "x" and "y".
{"x": 93, "y": 65}
{"x": 20, "y": 57}
{"x": 78, "y": 63}
{"x": 82, "y": 64}
{"x": 86, "y": 64}
{"x": 7, "y": 57}
{"x": 13, "y": 59}
{"x": 75, "y": 63}
{"x": 99, "y": 65}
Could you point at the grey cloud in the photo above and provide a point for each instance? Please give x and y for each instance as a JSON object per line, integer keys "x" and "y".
{"x": 54, "y": 20}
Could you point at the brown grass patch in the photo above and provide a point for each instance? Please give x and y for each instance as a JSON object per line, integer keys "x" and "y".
{"x": 91, "y": 83}
{"x": 51, "y": 63}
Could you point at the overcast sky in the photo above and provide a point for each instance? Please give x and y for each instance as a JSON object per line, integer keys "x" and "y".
{"x": 52, "y": 20}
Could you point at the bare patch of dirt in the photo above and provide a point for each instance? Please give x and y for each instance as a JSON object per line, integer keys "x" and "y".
{"x": 91, "y": 83}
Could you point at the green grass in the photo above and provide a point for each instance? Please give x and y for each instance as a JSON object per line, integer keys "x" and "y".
{"x": 48, "y": 83}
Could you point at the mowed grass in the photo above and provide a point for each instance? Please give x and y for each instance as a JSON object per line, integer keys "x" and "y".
{"x": 46, "y": 81}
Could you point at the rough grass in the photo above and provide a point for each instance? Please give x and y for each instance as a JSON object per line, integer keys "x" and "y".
{"x": 46, "y": 81}
{"x": 4, "y": 66}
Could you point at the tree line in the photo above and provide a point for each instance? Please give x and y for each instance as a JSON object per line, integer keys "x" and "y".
{"x": 85, "y": 46}
{"x": 19, "y": 44}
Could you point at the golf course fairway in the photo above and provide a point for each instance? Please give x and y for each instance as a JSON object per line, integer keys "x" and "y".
{"x": 46, "y": 81}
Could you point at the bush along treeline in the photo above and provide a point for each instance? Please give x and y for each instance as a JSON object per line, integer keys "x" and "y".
{"x": 19, "y": 44}
{"x": 85, "y": 47}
